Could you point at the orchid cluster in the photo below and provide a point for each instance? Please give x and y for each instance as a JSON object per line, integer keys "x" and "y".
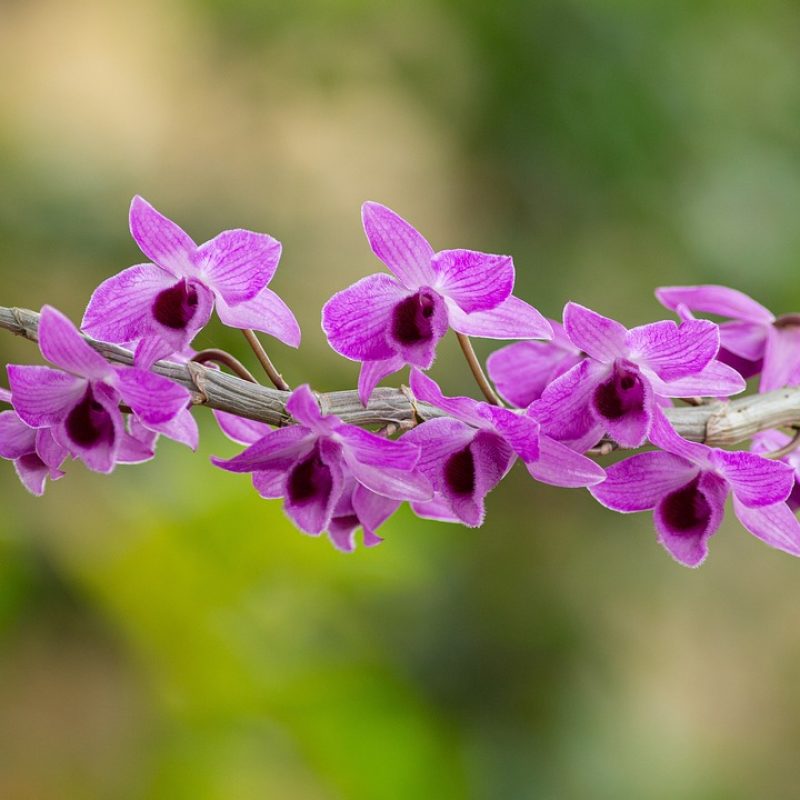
{"x": 563, "y": 392}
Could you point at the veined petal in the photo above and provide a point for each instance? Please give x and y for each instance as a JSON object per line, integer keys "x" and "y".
{"x": 523, "y": 370}
{"x": 121, "y": 308}
{"x": 373, "y": 450}
{"x": 437, "y": 439}
{"x": 663, "y": 435}
{"x": 265, "y": 312}
{"x": 640, "y": 482}
{"x": 687, "y": 518}
{"x": 438, "y": 509}
{"x": 418, "y": 322}
{"x": 715, "y": 380}
{"x": 426, "y": 390}
{"x": 182, "y": 428}
{"x": 239, "y": 429}
{"x": 559, "y": 465}
{"x": 745, "y": 339}
{"x": 782, "y": 358}
{"x": 373, "y": 372}
{"x": 755, "y": 481}
{"x": 519, "y": 431}
{"x": 602, "y": 338}
{"x": 62, "y": 345}
{"x": 474, "y": 281}
{"x": 134, "y": 451}
{"x": 512, "y": 319}
{"x": 400, "y": 246}
{"x": 238, "y": 264}
{"x": 674, "y": 351}
{"x": 270, "y": 484}
{"x": 152, "y": 397}
{"x": 711, "y": 299}
{"x": 303, "y": 406}
{"x": 161, "y": 240}
{"x": 776, "y": 525}
{"x": 43, "y": 396}
{"x": 372, "y": 510}
{"x": 357, "y": 320}
{"x": 399, "y": 484}
{"x": 278, "y": 450}
{"x": 49, "y": 450}
{"x": 16, "y": 438}
{"x": 314, "y": 486}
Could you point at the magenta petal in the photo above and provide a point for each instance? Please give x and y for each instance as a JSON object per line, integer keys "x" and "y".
{"x": 239, "y": 429}
{"x": 182, "y": 428}
{"x": 624, "y": 404}
{"x": 663, "y": 435}
{"x": 399, "y": 245}
{"x": 33, "y": 473}
{"x": 270, "y": 484}
{"x": 523, "y": 370}
{"x": 710, "y": 299}
{"x": 520, "y": 432}
{"x": 63, "y": 346}
{"x": 49, "y": 450}
{"x": 43, "y": 396}
{"x": 376, "y": 451}
{"x": 782, "y": 358}
{"x": 687, "y": 517}
{"x": 396, "y": 483}
{"x": 639, "y": 483}
{"x": 121, "y": 308}
{"x": 304, "y": 408}
{"x": 418, "y": 322}
{"x": 438, "y": 509}
{"x": 160, "y": 239}
{"x": 278, "y": 450}
{"x": 715, "y": 380}
{"x": 437, "y": 439}
{"x": 602, "y": 338}
{"x": 358, "y": 319}
{"x": 16, "y": 438}
{"x": 372, "y": 510}
{"x": 475, "y": 281}
{"x": 373, "y": 372}
{"x": 134, "y": 451}
{"x": 426, "y": 390}
{"x": 313, "y": 487}
{"x": 512, "y": 319}
{"x": 152, "y": 397}
{"x": 775, "y": 524}
{"x": 560, "y": 465}
{"x": 744, "y": 339}
{"x": 238, "y": 264}
{"x": 5, "y": 395}
{"x": 754, "y": 480}
{"x": 674, "y": 351}
{"x": 266, "y": 313}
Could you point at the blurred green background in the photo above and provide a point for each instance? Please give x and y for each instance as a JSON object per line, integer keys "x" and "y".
{"x": 165, "y": 634}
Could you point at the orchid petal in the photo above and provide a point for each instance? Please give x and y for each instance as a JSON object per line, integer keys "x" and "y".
{"x": 372, "y": 510}
{"x": 782, "y": 358}
{"x": 711, "y": 299}
{"x": 755, "y": 481}
{"x": 519, "y": 431}
{"x": 304, "y": 408}
{"x": 278, "y": 450}
{"x": 474, "y": 281}
{"x": 399, "y": 245}
{"x": 399, "y": 484}
{"x": 5, "y": 395}
{"x": 357, "y": 320}
{"x": 49, "y": 450}
{"x": 270, "y": 484}
{"x": 238, "y": 264}
{"x": 160, "y": 239}
{"x": 265, "y": 312}
{"x": 715, "y": 380}
{"x": 512, "y": 319}
{"x": 437, "y": 439}
{"x": 33, "y": 473}
{"x": 745, "y": 339}
{"x": 239, "y": 429}
{"x": 559, "y": 465}
{"x": 640, "y": 482}
{"x": 663, "y": 435}
{"x": 43, "y": 396}
{"x": 624, "y": 405}
{"x": 775, "y": 524}
{"x": 62, "y": 345}
{"x": 426, "y": 390}
{"x": 674, "y": 351}
{"x": 182, "y": 428}
{"x": 375, "y": 451}
{"x": 602, "y": 338}
{"x": 373, "y": 372}
{"x": 438, "y": 509}
{"x": 152, "y": 397}
{"x": 16, "y": 438}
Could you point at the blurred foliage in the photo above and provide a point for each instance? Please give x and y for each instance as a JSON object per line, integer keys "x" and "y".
{"x": 165, "y": 633}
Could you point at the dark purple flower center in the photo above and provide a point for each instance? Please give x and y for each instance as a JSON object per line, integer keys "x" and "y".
{"x": 686, "y": 511}
{"x": 621, "y": 393}
{"x": 412, "y": 319}
{"x": 309, "y": 481}
{"x": 89, "y": 424}
{"x": 459, "y": 472}
{"x": 175, "y": 307}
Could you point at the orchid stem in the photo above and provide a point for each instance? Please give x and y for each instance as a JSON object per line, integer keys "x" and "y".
{"x": 261, "y": 354}
{"x": 477, "y": 370}
{"x": 222, "y": 357}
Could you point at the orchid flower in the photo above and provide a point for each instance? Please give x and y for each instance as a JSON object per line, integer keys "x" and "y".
{"x": 79, "y": 402}
{"x": 685, "y": 485}
{"x": 752, "y": 338}
{"x": 162, "y": 305}
{"x": 617, "y": 388}
{"x": 388, "y": 321}
{"x": 327, "y": 470}
{"x": 467, "y": 453}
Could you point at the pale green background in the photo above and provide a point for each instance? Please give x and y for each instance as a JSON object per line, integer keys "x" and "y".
{"x": 165, "y": 634}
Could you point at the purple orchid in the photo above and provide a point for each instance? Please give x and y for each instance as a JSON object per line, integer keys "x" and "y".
{"x": 523, "y": 370}
{"x": 771, "y": 441}
{"x": 332, "y": 476}
{"x": 162, "y": 305}
{"x": 627, "y": 375}
{"x": 388, "y": 321}
{"x": 36, "y": 455}
{"x": 467, "y": 453}
{"x": 79, "y": 402}
{"x": 686, "y": 484}
{"x": 752, "y": 340}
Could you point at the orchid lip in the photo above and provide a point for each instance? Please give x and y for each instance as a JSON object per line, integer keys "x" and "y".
{"x": 89, "y": 424}
{"x": 175, "y": 307}
{"x": 686, "y": 511}
{"x": 309, "y": 481}
{"x": 621, "y": 393}
{"x": 459, "y": 472}
{"x": 412, "y": 318}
